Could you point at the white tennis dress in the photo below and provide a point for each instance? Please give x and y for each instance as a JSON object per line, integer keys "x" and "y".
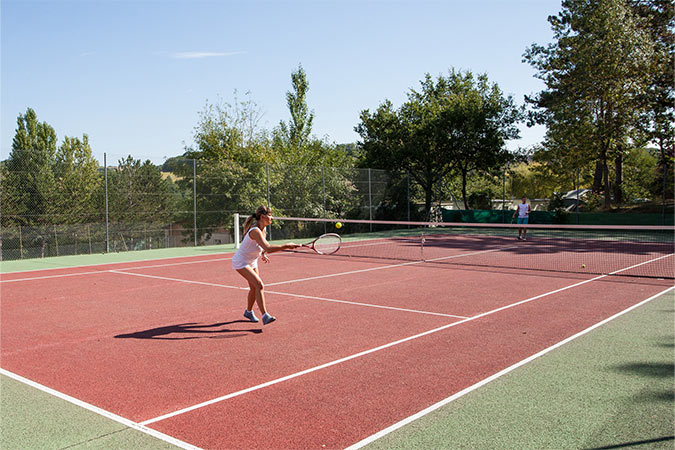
{"x": 247, "y": 254}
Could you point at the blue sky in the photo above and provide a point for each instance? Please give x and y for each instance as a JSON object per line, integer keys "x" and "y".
{"x": 134, "y": 75}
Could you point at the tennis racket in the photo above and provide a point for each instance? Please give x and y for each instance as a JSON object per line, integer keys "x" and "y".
{"x": 326, "y": 244}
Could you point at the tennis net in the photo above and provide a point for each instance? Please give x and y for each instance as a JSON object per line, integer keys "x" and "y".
{"x": 639, "y": 251}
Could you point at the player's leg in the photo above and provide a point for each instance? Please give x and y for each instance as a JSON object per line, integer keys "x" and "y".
{"x": 255, "y": 283}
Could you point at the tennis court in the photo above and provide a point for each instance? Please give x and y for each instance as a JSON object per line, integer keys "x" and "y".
{"x": 361, "y": 343}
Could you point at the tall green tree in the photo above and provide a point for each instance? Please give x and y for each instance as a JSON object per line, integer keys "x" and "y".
{"x": 28, "y": 184}
{"x": 231, "y": 150}
{"x": 138, "y": 195}
{"x": 453, "y": 123}
{"x": 475, "y": 121}
{"x": 596, "y": 72}
{"x": 296, "y": 133}
{"x": 659, "y": 121}
{"x": 299, "y": 179}
{"x": 77, "y": 181}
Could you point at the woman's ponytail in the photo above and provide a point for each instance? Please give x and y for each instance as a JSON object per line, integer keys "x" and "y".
{"x": 252, "y": 220}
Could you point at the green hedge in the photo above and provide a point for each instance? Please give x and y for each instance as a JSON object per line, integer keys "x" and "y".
{"x": 549, "y": 217}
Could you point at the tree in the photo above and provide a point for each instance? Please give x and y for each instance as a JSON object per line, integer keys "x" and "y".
{"x": 300, "y": 183}
{"x": 476, "y": 120}
{"x": 231, "y": 150}
{"x": 77, "y": 180}
{"x": 295, "y": 134}
{"x": 452, "y": 123}
{"x": 659, "y": 121}
{"x": 596, "y": 72}
{"x": 28, "y": 178}
{"x": 138, "y": 194}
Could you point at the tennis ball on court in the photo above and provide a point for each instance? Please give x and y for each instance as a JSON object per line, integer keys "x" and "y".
{"x": 338, "y": 225}
{"x": 583, "y": 266}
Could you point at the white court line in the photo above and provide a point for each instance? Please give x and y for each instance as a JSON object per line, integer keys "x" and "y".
{"x": 204, "y": 283}
{"x": 108, "y": 270}
{"x": 382, "y": 347}
{"x": 107, "y": 414}
{"x": 54, "y": 276}
{"x": 389, "y": 266}
{"x": 487, "y": 380}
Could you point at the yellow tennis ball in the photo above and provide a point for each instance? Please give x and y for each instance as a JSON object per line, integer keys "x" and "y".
{"x": 338, "y": 225}
{"x": 583, "y": 266}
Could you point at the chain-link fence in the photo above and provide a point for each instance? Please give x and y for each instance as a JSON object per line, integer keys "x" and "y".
{"x": 134, "y": 205}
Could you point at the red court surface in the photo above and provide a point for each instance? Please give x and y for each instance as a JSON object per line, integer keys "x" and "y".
{"x": 358, "y": 345}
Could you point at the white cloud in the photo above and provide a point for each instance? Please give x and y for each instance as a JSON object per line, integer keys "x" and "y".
{"x": 197, "y": 55}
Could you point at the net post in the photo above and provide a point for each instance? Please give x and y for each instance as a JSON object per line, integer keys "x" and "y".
{"x": 236, "y": 230}
{"x": 422, "y": 239}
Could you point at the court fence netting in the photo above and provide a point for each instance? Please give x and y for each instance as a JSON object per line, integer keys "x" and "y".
{"x": 125, "y": 204}
{"x": 637, "y": 251}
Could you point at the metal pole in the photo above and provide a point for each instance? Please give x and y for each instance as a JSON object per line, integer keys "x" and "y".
{"x": 665, "y": 182}
{"x": 267, "y": 174}
{"x": 577, "y": 206}
{"x": 236, "y": 230}
{"x": 504, "y": 195}
{"x": 408, "y": 178}
{"x": 107, "y": 224}
{"x": 323, "y": 184}
{"x": 370, "y": 200}
{"x": 194, "y": 197}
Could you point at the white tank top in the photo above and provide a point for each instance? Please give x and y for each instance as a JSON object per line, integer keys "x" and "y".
{"x": 247, "y": 254}
{"x": 522, "y": 209}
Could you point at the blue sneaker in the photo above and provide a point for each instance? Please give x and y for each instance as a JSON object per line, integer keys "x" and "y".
{"x": 267, "y": 319}
{"x": 250, "y": 316}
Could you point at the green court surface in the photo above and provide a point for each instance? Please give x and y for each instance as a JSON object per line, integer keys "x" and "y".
{"x": 32, "y": 419}
{"x": 109, "y": 258}
{"x": 610, "y": 388}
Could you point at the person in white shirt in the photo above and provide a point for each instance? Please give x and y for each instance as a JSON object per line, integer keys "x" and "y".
{"x": 523, "y": 211}
{"x": 245, "y": 260}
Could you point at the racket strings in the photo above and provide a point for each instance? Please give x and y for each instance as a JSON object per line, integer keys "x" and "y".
{"x": 327, "y": 244}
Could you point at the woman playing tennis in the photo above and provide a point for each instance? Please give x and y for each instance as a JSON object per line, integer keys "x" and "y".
{"x": 245, "y": 260}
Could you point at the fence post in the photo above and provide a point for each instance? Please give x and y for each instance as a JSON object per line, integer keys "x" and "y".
{"x": 323, "y": 184}
{"x": 236, "y": 230}
{"x": 665, "y": 182}
{"x": 107, "y": 226}
{"x": 504, "y": 194}
{"x": 577, "y": 205}
{"x": 89, "y": 237}
{"x": 370, "y": 200}
{"x": 267, "y": 176}
{"x": 20, "y": 243}
{"x": 56, "y": 240}
{"x": 408, "y": 179}
{"x": 194, "y": 197}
